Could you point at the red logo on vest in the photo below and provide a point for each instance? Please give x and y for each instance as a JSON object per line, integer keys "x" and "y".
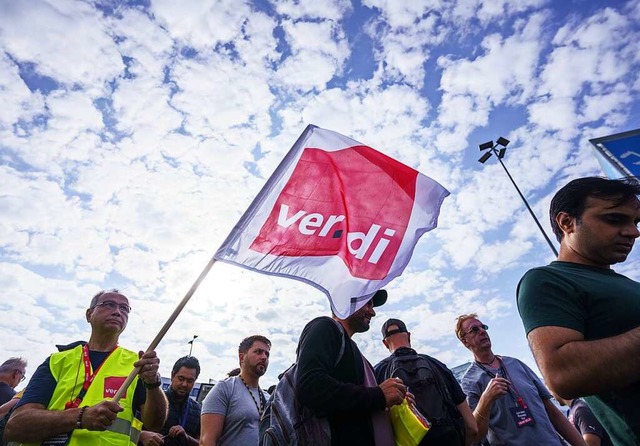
{"x": 341, "y": 203}
{"x": 112, "y": 384}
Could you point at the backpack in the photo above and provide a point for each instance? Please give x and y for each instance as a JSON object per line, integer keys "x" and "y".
{"x": 424, "y": 378}
{"x": 287, "y": 422}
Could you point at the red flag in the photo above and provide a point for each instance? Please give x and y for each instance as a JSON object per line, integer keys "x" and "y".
{"x": 338, "y": 215}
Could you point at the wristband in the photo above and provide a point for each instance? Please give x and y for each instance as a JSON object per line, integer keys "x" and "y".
{"x": 80, "y": 414}
{"x": 154, "y": 385}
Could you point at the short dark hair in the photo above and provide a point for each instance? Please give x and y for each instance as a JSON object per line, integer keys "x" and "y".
{"x": 94, "y": 299}
{"x": 189, "y": 362}
{"x": 573, "y": 196}
{"x": 246, "y": 343}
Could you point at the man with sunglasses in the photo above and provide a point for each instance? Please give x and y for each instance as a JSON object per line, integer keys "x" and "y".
{"x": 582, "y": 319}
{"x": 12, "y": 373}
{"x": 69, "y": 398}
{"x": 510, "y": 403}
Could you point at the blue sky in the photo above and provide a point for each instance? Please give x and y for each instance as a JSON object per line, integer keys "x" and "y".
{"x": 134, "y": 134}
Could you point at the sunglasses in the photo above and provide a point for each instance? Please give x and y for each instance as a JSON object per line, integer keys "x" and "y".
{"x": 22, "y": 375}
{"x": 111, "y": 305}
{"x": 475, "y": 329}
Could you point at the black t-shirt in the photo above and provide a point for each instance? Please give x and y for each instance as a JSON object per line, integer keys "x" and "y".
{"x": 6, "y": 392}
{"x": 586, "y": 422}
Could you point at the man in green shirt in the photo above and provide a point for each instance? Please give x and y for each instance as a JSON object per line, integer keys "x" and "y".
{"x": 583, "y": 319}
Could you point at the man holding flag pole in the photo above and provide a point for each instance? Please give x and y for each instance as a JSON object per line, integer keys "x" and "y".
{"x": 68, "y": 400}
{"x": 336, "y": 214}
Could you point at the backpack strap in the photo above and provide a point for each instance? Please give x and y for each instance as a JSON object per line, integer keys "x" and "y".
{"x": 439, "y": 382}
{"x": 342, "y": 342}
{"x": 438, "y": 373}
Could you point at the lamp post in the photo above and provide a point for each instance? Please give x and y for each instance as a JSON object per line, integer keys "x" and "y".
{"x": 191, "y": 343}
{"x": 499, "y": 149}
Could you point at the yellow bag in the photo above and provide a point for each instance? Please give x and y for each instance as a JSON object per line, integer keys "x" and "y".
{"x": 409, "y": 425}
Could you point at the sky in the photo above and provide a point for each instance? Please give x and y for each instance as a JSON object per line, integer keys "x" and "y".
{"x": 133, "y": 135}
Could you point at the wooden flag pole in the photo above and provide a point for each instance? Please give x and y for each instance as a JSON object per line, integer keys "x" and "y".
{"x": 166, "y": 327}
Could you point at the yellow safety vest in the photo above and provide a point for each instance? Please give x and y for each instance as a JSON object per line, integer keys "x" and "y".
{"x": 68, "y": 370}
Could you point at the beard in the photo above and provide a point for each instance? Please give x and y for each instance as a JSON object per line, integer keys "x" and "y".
{"x": 358, "y": 322}
{"x": 259, "y": 369}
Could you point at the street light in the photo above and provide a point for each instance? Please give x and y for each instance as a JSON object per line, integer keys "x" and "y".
{"x": 191, "y": 342}
{"x": 499, "y": 149}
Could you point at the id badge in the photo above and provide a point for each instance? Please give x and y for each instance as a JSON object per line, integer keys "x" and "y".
{"x": 522, "y": 416}
{"x": 58, "y": 440}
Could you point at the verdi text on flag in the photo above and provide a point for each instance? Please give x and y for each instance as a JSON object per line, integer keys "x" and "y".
{"x": 338, "y": 215}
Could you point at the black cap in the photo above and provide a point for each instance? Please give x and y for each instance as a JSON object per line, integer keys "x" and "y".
{"x": 385, "y": 328}
{"x": 379, "y": 298}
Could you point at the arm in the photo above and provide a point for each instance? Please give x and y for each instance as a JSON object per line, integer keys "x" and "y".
{"x": 33, "y": 422}
{"x": 150, "y": 439}
{"x": 177, "y": 431}
{"x": 459, "y": 398}
{"x": 470, "y": 424}
{"x": 6, "y": 407}
{"x": 562, "y": 425}
{"x": 154, "y": 409}
{"x": 555, "y": 317}
{"x": 574, "y": 367}
{"x": 192, "y": 441}
{"x": 592, "y": 439}
{"x": 496, "y": 388}
{"x": 211, "y": 425}
{"x": 214, "y": 411}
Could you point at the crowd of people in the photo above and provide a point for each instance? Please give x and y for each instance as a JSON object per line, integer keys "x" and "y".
{"x": 581, "y": 318}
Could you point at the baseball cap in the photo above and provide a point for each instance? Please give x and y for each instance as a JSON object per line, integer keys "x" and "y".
{"x": 379, "y": 298}
{"x": 385, "y": 328}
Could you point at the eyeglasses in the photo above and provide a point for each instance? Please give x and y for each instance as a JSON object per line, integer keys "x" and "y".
{"x": 22, "y": 375}
{"x": 475, "y": 329}
{"x": 111, "y": 305}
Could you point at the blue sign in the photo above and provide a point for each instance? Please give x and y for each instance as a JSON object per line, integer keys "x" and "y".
{"x": 622, "y": 151}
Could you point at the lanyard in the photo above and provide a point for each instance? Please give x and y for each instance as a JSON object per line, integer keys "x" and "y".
{"x": 182, "y": 420}
{"x": 513, "y": 391}
{"x": 88, "y": 376}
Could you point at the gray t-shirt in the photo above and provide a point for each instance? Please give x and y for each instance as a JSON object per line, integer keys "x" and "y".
{"x": 502, "y": 426}
{"x": 232, "y": 399}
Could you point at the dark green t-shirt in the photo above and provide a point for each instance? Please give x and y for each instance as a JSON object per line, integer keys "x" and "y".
{"x": 599, "y": 303}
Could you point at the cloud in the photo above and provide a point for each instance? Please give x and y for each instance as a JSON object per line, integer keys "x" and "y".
{"x": 503, "y": 74}
{"x": 201, "y": 25}
{"x": 133, "y": 137}
{"x": 71, "y": 45}
{"x": 333, "y": 10}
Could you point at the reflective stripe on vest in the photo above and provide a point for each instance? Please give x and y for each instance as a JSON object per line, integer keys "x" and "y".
{"x": 124, "y": 427}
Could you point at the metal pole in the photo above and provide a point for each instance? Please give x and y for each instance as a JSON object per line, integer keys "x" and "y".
{"x": 191, "y": 342}
{"x": 553, "y": 248}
